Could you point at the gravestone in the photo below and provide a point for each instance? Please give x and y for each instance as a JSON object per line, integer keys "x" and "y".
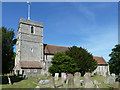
{"x": 56, "y": 76}
{"x": 104, "y": 74}
{"x": 9, "y": 81}
{"x": 113, "y": 75}
{"x": 116, "y": 85}
{"x": 37, "y": 87}
{"x": 89, "y": 84}
{"x": 52, "y": 82}
{"x": 77, "y": 76}
{"x": 63, "y": 77}
{"x": 111, "y": 80}
{"x": 105, "y": 80}
{"x": 43, "y": 82}
{"x": 86, "y": 77}
{"x": 96, "y": 83}
{"x": 70, "y": 81}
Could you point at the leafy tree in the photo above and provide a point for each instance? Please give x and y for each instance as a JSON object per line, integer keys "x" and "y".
{"x": 62, "y": 63}
{"x": 114, "y": 62}
{"x": 75, "y": 59}
{"x": 83, "y": 59}
{"x": 8, "y": 55}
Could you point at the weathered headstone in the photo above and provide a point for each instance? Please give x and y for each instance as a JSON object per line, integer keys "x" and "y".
{"x": 111, "y": 80}
{"x": 105, "y": 80}
{"x": 86, "y": 77}
{"x": 113, "y": 75}
{"x": 104, "y": 74}
{"x": 70, "y": 81}
{"x": 52, "y": 82}
{"x": 56, "y": 76}
{"x": 77, "y": 76}
{"x": 89, "y": 84}
{"x": 63, "y": 77}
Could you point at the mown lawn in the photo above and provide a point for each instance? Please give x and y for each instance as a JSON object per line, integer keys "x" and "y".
{"x": 33, "y": 82}
{"x": 26, "y": 83}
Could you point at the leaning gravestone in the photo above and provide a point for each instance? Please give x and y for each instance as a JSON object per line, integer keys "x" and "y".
{"x": 77, "y": 76}
{"x": 9, "y": 81}
{"x": 86, "y": 77}
{"x": 63, "y": 77}
{"x": 70, "y": 83}
{"x": 56, "y": 76}
{"x": 52, "y": 82}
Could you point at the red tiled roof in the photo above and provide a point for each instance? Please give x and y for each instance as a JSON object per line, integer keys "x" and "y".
{"x": 52, "y": 49}
{"x": 30, "y": 64}
{"x": 100, "y": 60}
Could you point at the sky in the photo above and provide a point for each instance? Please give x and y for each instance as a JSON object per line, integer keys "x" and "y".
{"x": 91, "y": 25}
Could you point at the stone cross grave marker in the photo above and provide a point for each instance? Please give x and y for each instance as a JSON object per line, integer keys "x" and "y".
{"x": 56, "y": 76}
{"x": 52, "y": 82}
{"x": 70, "y": 81}
{"x": 77, "y": 76}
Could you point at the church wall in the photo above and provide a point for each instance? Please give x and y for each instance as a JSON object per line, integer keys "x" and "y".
{"x": 32, "y": 72}
{"x": 31, "y": 51}
{"x": 101, "y": 70}
{"x": 31, "y": 44}
{"x": 48, "y": 57}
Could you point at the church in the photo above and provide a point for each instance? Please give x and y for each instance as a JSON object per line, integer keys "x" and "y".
{"x": 33, "y": 57}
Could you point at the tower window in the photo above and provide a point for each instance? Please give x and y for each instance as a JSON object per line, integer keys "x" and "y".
{"x": 32, "y": 31}
{"x": 31, "y": 49}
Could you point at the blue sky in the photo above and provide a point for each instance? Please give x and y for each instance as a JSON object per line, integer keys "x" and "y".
{"x": 91, "y": 25}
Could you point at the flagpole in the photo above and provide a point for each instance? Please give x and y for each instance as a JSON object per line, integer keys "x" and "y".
{"x": 28, "y": 10}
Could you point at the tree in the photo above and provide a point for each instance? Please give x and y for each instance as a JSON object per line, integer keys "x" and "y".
{"x": 8, "y": 55}
{"x": 62, "y": 63}
{"x": 75, "y": 59}
{"x": 83, "y": 59}
{"x": 114, "y": 62}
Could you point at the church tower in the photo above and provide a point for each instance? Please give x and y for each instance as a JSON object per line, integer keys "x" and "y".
{"x": 29, "y": 46}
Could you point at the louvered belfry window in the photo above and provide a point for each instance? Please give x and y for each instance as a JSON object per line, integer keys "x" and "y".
{"x": 32, "y": 31}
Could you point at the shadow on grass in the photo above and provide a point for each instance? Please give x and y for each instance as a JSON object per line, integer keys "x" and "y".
{"x": 12, "y": 78}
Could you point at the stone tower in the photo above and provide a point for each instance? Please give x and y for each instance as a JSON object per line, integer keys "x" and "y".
{"x": 29, "y": 46}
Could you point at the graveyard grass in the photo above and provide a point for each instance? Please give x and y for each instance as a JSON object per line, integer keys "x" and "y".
{"x": 33, "y": 82}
